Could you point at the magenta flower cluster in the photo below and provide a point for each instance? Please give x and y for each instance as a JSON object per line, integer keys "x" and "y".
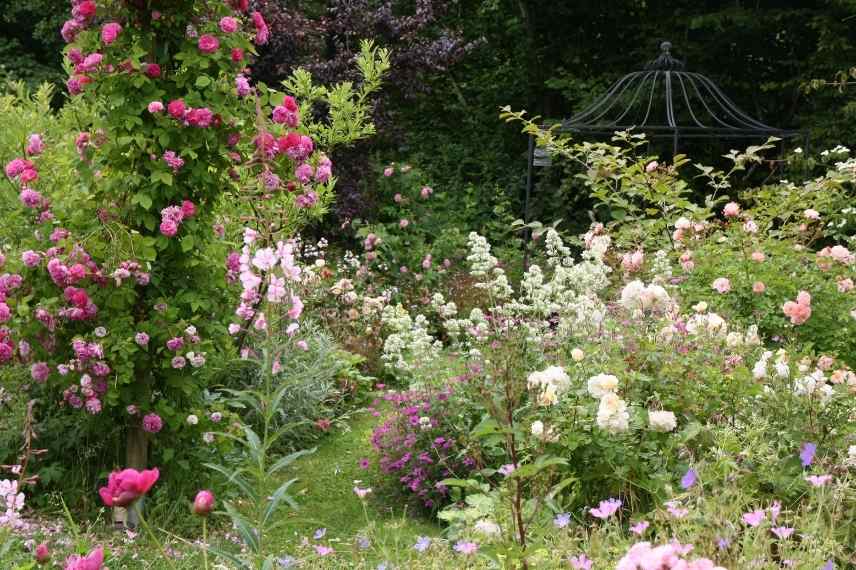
{"x": 417, "y": 445}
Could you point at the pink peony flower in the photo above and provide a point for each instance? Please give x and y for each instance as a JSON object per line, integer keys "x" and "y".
{"x": 126, "y": 486}
{"x": 152, "y": 70}
{"x": 237, "y": 55}
{"x": 109, "y": 32}
{"x": 155, "y": 107}
{"x": 651, "y": 166}
{"x": 92, "y": 561}
{"x": 758, "y": 256}
{"x": 152, "y": 423}
{"x": 811, "y": 214}
{"x": 758, "y": 287}
{"x": 208, "y": 43}
{"x": 203, "y": 504}
{"x": 425, "y": 192}
{"x": 722, "y": 285}
{"x": 388, "y": 171}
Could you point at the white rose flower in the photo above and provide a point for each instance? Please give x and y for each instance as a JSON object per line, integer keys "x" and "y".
{"x": 662, "y": 421}
{"x": 602, "y": 384}
{"x": 192, "y": 420}
{"x": 537, "y": 428}
{"x": 612, "y": 414}
{"x": 577, "y": 354}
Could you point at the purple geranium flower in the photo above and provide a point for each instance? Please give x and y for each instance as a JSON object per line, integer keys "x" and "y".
{"x": 689, "y": 479}
{"x": 606, "y": 508}
{"x": 807, "y": 451}
{"x": 562, "y": 520}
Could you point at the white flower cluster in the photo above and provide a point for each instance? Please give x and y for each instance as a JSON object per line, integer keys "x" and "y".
{"x": 444, "y": 309}
{"x": 483, "y": 264}
{"x": 550, "y": 384}
{"x": 661, "y": 267}
{"x": 410, "y": 345}
{"x": 814, "y": 384}
{"x": 612, "y": 414}
{"x": 568, "y": 297}
{"x": 639, "y": 298}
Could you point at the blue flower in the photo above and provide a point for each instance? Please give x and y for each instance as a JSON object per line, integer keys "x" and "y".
{"x": 422, "y": 544}
{"x": 807, "y": 453}
{"x": 319, "y": 534}
{"x": 562, "y": 520}
{"x": 689, "y": 479}
{"x": 286, "y": 561}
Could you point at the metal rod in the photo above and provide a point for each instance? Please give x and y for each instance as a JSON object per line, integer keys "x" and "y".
{"x": 527, "y": 233}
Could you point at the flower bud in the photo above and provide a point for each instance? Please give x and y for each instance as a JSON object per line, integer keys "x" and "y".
{"x": 43, "y": 555}
{"x": 204, "y": 503}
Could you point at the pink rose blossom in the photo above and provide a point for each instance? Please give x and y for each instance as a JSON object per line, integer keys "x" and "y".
{"x": 208, "y": 43}
{"x": 228, "y": 25}
{"x": 731, "y": 210}
{"x": 152, "y": 423}
{"x": 109, "y": 32}
{"x": 155, "y": 107}
{"x": 758, "y": 287}
{"x": 722, "y": 285}
{"x": 811, "y": 214}
{"x": 35, "y": 145}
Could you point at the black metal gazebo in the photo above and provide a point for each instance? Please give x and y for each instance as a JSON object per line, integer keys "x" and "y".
{"x": 664, "y": 101}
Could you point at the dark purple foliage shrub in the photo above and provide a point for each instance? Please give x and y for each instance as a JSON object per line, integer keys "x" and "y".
{"x": 421, "y": 43}
{"x": 416, "y": 445}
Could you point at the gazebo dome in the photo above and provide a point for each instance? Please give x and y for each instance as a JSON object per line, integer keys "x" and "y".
{"x": 665, "y": 100}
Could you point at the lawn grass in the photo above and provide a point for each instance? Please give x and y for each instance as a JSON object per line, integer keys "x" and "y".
{"x": 325, "y": 492}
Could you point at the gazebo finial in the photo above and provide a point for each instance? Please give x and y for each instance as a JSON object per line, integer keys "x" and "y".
{"x": 665, "y": 61}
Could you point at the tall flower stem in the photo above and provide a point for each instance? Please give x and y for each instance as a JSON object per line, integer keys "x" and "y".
{"x": 153, "y": 536}
{"x": 205, "y": 542}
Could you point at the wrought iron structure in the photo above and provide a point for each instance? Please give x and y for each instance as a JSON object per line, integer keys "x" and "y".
{"x": 666, "y": 101}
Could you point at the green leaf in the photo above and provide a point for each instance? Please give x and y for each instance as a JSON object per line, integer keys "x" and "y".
{"x": 289, "y": 459}
{"x": 276, "y": 498}
{"x": 203, "y": 81}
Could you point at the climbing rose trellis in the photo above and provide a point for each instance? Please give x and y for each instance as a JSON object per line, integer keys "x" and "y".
{"x": 111, "y": 303}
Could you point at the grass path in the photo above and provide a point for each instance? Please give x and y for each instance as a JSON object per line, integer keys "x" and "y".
{"x": 325, "y": 493}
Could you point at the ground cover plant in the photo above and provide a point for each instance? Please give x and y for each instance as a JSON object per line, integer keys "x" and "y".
{"x": 195, "y": 372}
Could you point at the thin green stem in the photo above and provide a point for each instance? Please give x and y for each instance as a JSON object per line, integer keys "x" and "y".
{"x": 153, "y": 536}
{"x": 205, "y": 542}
